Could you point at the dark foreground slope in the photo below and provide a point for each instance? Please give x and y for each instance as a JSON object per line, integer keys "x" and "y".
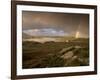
{"x": 55, "y": 54}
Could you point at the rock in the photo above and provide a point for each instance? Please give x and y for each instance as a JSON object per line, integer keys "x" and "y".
{"x": 74, "y": 57}
{"x": 77, "y": 47}
{"x": 64, "y": 50}
{"x": 67, "y": 55}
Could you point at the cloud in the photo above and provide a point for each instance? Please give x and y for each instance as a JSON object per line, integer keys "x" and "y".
{"x": 61, "y": 23}
{"x": 45, "y": 32}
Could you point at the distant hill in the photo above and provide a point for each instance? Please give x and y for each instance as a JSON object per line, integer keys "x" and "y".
{"x": 56, "y": 37}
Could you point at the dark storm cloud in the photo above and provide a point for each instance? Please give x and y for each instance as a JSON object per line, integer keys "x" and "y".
{"x": 68, "y": 23}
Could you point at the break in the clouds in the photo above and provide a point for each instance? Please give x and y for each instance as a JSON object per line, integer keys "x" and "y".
{"x": 45, "y": 32}
{"x": 55, "y": 24}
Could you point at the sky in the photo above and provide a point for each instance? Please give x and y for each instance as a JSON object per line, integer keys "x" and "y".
{"x": 54, "y": 24}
